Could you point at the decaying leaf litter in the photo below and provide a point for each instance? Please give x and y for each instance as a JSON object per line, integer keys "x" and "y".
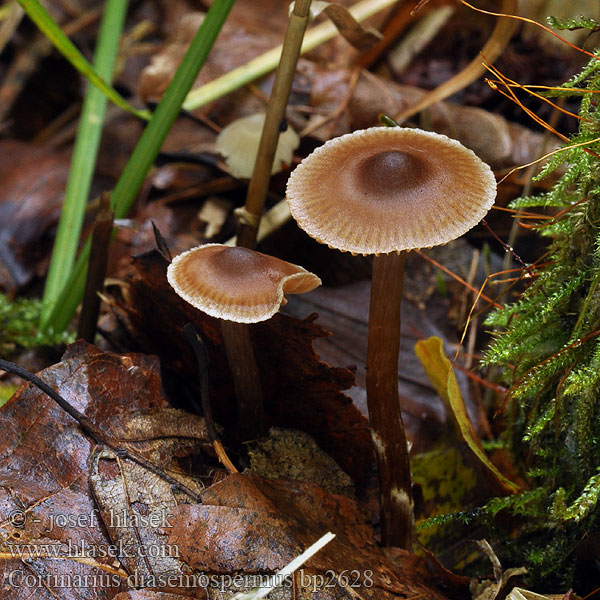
{"x": 141, "y": 314}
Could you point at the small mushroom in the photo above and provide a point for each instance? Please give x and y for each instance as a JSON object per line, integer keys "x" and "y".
{"x": 383, "y": 191}
{"x": 239, "y": 286}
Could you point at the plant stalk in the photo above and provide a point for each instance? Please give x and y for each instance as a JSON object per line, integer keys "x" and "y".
{"x": 238, "y": 345}
{"x": 144, "y": 154}
{"x": 263, "y": 64}
{"x": 259, "y": 184}
{"x": 85, "y": 152}
{"x": 385, "y": 415}
{"x": 101, "y": 236}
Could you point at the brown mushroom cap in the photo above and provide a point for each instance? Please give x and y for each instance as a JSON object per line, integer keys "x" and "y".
{"x": 236, "y": 284}
{"x": 388, "y": 189}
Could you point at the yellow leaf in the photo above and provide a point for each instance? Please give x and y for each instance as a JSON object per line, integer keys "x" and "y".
{"x": 441, "y": 374}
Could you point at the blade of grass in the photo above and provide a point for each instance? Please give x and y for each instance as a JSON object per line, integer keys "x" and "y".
{"x": 84, "y": 156}
{"x": 269, "y": 60}
{"x": 144, "y": 153}
{"x": 38, "y": 14}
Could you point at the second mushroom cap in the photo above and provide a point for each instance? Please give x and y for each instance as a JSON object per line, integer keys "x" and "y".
{"x": 236, "y": 284}
{"x": 389, "y": 189}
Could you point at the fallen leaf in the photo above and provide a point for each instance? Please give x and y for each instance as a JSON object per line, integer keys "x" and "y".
{"x": 135, "y": 507}
{"x": 253, "y": 525}
{"x": 53, "y": 540}
{"x": 33, "y": 181}
{"x": 441, "y": 374}
{"x": 300, "y": 391}
{"x": 363, "y": 39}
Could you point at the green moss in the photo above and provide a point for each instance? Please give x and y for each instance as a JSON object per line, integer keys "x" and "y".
{"x": 548, "y": 342}
{"x": 19, "y": 326}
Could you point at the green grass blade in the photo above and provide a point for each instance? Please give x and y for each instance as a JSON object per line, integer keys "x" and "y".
{"x": 38, "y": 14}
{"x": 145, "y": 152}
{"x": 84, "y": 156}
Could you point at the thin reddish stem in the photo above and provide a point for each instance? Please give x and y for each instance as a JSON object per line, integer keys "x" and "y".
{"x": 385, "y": 416}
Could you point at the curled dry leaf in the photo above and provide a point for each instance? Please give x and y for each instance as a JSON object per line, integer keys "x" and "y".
{"x": 48, "y": 516}
{"x": 441, "y": 374}
{"x": 362, "y": 38}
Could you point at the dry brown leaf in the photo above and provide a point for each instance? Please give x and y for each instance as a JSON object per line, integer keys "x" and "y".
{"x": 494, "y": 139}
{"x": 254, "y": 525}
{"x": 300, "y": 391}
{"x": 239, "y": 41}
{"x": 33, "y": 181}
{"x": 52, "y": 533}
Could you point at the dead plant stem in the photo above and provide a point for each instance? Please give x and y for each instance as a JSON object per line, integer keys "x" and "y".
{"x": 259, "y": 184}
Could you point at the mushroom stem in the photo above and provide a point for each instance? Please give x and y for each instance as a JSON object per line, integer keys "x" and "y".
{"x": 385, "y": 416}
{"x": 246, "y": 379}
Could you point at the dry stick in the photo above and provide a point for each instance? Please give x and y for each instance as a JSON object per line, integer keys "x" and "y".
{"x": 197, "y": 344}
{"x": 10, "y": 23}
{"x": 492, "y": 49}
{"x": 96, "y": 273}
{"x": 385, "y": 416}
{"x": 246, "y": 375}
{"x": 94, "y": 432}
{"x": 257, "y": 190}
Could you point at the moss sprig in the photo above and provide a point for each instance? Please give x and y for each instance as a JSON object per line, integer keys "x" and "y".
{"x": 548, "y": 345}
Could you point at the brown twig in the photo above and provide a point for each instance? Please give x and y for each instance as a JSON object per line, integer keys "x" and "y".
{"x": 94, "y": 282}
{"x": 94, "y": 432}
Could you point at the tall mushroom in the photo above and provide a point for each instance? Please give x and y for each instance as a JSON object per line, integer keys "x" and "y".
{"x": 384, "y": 191}
{"x": 243, "y": 286}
